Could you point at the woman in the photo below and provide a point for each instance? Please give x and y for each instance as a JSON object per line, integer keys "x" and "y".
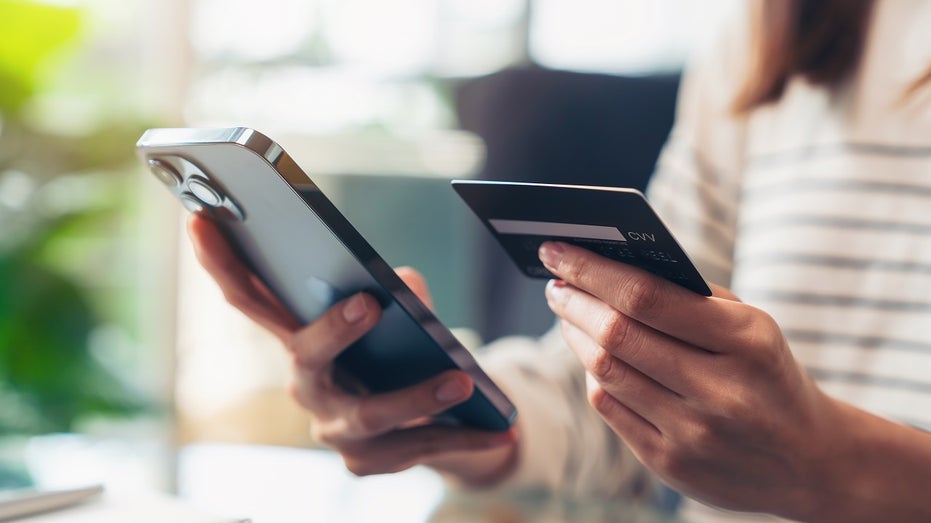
{"x": 798, "y": 175}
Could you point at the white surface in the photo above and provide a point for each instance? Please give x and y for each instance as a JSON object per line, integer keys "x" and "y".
{"x": 284, "y": 485}
{"x": 141, "y": 507}
{"x": 28, "y": 502}
{"x": 281, "y": 485}
{"x": 63, "y": 461}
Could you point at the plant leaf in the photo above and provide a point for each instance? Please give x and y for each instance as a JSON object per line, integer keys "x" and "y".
{"x": 32, "y": 33}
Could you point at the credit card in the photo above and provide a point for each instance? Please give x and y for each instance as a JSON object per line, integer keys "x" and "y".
{"x": 617, "y": 223}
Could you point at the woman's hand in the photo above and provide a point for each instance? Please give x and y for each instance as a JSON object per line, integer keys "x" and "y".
{"x": 374, "y": 433}
{"x": 704, "y": 390}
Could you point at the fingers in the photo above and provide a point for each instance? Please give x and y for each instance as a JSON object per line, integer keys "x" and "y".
{"x": 722, "y": 292}
{"x": 316, "y": 346}
{"x": 667, "y": 360}
{"x": 417, "y": 283}
{"x": 239, "y": 285}
{"x": 377, "y": 414}
{"x": 716, "y": 324}
{"x": 375, "y": 434}
{"x": 636, "y": 391}
{"x": 402, "y": 449}
{"x": 639, "y": 434}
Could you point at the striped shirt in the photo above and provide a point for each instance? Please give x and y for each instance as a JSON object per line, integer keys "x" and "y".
{"x": 816, "y": 209}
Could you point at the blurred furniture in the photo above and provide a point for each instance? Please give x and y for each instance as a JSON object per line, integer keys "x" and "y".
{"x": 551, "y": 126}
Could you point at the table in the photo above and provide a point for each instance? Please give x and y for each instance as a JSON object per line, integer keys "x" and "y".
{"x": 283, "y": 485}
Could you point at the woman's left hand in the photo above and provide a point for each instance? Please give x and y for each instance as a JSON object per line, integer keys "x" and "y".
{"x": 703, "y": 390}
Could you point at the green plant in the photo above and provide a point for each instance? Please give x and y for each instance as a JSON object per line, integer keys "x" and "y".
{"x": 31, "y": 33}
{"x": 49, "y": 377}
{"x": 61, "y": 203}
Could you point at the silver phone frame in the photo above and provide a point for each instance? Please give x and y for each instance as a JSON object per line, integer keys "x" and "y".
{"x": 282, "y": 163}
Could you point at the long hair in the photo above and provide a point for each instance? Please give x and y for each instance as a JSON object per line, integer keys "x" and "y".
{"x": 819, "y": 40}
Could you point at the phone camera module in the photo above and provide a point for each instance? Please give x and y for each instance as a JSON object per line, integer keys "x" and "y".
{"x": 165, "y": 173}
{"x": 192, "y": 203}
{"x": 204, "y": 192}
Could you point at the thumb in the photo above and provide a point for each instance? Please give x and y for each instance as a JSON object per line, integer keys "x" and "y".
{"x": 417, "y": 283}
{"x": 722, "y": 292}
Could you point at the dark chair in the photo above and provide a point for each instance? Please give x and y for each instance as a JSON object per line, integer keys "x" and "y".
{"x": 551, "y": 126}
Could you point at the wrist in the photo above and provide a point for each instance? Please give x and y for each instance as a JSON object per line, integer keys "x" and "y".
{"x": 873, "y": 469}
{"x": 481, "y": 469}
{"x": 834, "y": 478}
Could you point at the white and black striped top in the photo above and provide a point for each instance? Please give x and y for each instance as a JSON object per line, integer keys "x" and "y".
{"x": 817, "y": 209}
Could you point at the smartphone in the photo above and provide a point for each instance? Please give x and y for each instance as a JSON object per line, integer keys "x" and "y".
{"x": 309, "y": 255}
{"x": 614, "y": 222}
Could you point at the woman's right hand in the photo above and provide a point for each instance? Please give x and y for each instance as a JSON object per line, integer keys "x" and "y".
{"x": 374, "y": 433}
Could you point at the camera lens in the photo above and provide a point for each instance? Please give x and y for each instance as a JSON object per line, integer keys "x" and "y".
{"x": 191, "y": 203}
{"x": 165, "y": 173}
{"x": 204, "y": 192}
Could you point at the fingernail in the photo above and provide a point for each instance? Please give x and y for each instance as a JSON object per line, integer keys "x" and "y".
{"x": 553, "y": 288}
{"x": 354, "y": 309}
{"x": 452, "y": 390}
{"x": 551, "y": 254}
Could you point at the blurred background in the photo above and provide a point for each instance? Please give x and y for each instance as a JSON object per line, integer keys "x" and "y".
{"x": 114, "y": 346}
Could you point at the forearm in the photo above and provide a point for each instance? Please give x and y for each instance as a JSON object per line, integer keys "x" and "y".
{"x": 879, "y": 471}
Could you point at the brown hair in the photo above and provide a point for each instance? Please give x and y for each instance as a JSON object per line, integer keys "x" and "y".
{"x": 819, "y": 40}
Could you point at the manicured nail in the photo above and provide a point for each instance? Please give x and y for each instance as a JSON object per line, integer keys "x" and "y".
{"x": 354, "y": 309}
{"x": 452, "y": 390}
{"x": 554, "y": 296}
{"x": 551, "y": 254}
